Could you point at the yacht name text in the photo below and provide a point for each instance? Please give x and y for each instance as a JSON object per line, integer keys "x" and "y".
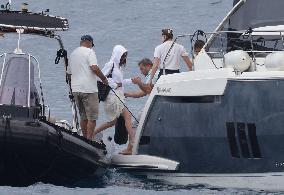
{"x": 164, "y": 90}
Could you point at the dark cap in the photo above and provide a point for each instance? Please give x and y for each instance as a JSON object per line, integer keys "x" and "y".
{"x": 88, "y": 38}
{"x": 167, "y": 32}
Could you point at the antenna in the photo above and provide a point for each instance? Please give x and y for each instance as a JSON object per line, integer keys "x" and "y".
{"x": 18, "y": 49}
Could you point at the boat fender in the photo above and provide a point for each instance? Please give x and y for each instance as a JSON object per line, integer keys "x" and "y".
{"x": 239, "y": 60}
{"x": 275, "y": 61}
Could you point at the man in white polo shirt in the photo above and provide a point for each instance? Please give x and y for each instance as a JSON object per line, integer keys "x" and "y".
{"x": 84, "y": 70}
{"x": 168, "y": 54}
{"x": 145, "y": 66}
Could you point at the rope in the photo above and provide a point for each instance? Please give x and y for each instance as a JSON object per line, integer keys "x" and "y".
{"x": 60, "y": 54}
{"x": 124, "y": 105}
{"x": 167, "y": 55}
{"x": 63, "y": 53}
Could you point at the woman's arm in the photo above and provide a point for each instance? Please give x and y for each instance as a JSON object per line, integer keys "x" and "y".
{"x": 136, "y": 94}
{"x": 188, "y": 62}
{"x": 154, "y": 68}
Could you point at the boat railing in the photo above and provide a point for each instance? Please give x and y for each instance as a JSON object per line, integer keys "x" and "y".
{"x": 48, "y": 112}
{"x": 253, "y": 36}
{"x": 256, "y": 42}
{"x": 30, "y": 58}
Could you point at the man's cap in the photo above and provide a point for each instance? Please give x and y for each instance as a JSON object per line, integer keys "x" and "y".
{"x": 87, "y": 38}
{"x": 167, "y": 31}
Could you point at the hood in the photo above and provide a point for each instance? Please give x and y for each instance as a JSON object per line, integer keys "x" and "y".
{"x": 117, "y": 52}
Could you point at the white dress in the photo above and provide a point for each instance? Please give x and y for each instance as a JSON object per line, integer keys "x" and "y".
{"x": 113, "y": 105}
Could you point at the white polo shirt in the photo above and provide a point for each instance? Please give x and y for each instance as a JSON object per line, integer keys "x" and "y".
{"x": 148, "y": 76}
{"x": 173, "y": 60}
{"x": 83, "y": 78}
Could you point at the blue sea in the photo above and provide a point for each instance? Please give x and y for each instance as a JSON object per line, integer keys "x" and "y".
{"x": 135, "y": 24}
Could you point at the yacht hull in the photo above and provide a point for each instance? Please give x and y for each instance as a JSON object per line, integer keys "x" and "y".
{"x": 239, "y": 132}
{"x": 263, "y": 181}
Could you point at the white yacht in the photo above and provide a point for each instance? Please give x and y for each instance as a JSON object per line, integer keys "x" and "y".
{"x": 222, "y": 124}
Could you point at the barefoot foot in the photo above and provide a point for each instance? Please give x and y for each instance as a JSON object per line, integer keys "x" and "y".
{"x": 128, "y": 150}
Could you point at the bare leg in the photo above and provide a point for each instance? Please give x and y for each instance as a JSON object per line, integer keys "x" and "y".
{"x": 90, "y": 129}
{"x": 104, "y": 126}
{"x": 130, "y": 130}
{"x": 128, "y": 124}
{"x": 83, "y": 124}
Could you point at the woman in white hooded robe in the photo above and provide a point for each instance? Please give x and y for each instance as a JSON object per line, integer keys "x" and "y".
{"x": 113, "y": 106}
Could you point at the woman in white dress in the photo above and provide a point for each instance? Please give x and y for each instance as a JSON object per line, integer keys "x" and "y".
{"x": 113, "y": 106}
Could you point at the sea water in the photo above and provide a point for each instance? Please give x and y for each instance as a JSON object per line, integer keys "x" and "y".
{"x": 135, "y": 24}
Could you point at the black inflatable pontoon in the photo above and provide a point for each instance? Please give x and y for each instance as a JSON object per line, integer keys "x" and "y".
{"x": 33, "y": 149}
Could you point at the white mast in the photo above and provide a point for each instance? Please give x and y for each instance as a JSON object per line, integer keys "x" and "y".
{"x": 233, "y": 10}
